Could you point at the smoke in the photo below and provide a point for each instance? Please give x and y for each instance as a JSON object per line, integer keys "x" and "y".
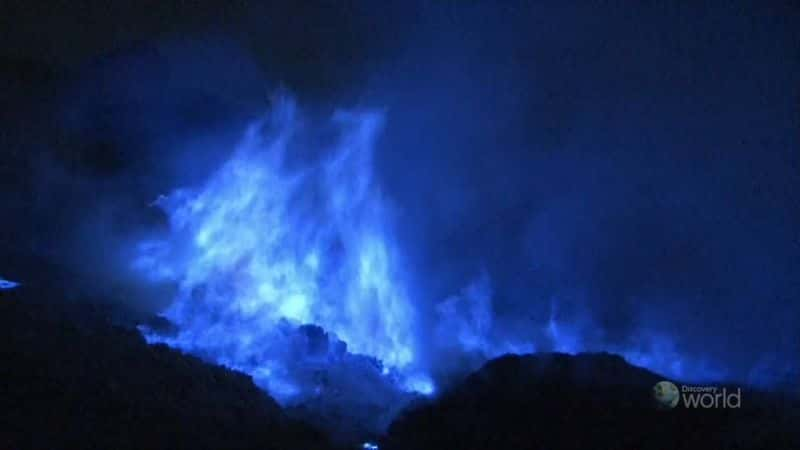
{"x": 465, "y": 321}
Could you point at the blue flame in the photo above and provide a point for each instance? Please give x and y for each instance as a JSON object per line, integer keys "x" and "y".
{"x": 8, "y": 284}
{"x": 259, "y": 250}
{"x": 421, "y": 384}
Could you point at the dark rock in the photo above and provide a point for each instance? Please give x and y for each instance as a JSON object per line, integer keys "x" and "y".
{"x": 72, "y": 378}
{"x": 558, "y": 401}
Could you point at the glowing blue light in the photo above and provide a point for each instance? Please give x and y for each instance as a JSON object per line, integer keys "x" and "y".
{"x": 420, "y": 384}
{"x": 8, "y": 284}
{"x": 258, "y": 248}
{"x": 369, "y": 446}
{"x": 564, "y": 338}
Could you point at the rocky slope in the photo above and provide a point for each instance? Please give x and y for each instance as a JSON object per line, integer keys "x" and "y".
{"x": 74, "y": 377}
{"x": 558, "y": 401}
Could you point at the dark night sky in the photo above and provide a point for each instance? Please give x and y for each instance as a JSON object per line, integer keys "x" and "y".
{"x": 636, "y": 162}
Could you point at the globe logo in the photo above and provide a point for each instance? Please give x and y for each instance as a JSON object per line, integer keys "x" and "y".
{"x": 666, "y": 394}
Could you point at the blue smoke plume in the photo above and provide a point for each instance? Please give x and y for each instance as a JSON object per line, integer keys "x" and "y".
{"x": 260, "y": 250}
